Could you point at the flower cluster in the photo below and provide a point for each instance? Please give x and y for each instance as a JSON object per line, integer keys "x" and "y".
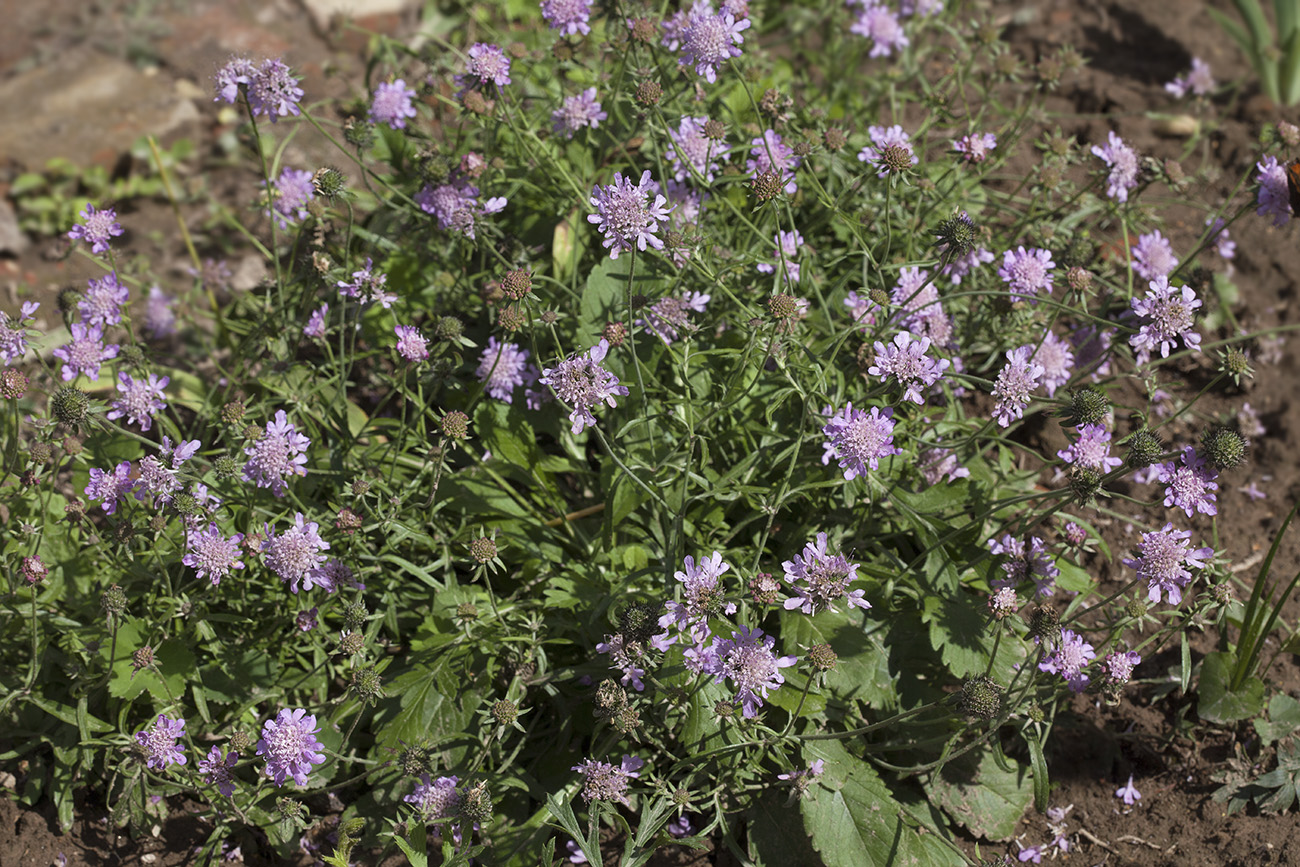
{"x": 858, "y": 439}
{"x": 890, "y": 149}
{"x": 96, "y": 228}
{"x": 1015, "y": 381}
{"x": 456, "y": 206}
{"x": 820, "y": 579}
{"x": 582, "y": 111}
{"x": 1123, "y": 163}
{"x": 583, "y": 383}
{"x": 627, "y": 216}
{"x": 295, "y": 556}
{"x": 158, "y": 743}
{"x": 702, "y": 594}
{"x": 906, "y": 362}
{"x": 504, "y": 367}
{"x": 271, "y": 89}
{"x": 708, "y": 39}
{"x": 670, "y": 316}
{"x": 1167, "y": 315}
{"x": 1025, "y": 561}
{"x": 392, "y": 104}
{"x": 605, "y": 782}
{"x": 1163, "y": 558}
{"x": 1068, "y": 659}
{"x": 278, "y": 453}
{"x": 290, "y": 747}
{"x": 748, "y": 661}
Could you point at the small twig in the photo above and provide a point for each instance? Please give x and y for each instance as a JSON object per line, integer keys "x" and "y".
{"x": 1088, "y": 835}
{"x": 1138, "y": 841}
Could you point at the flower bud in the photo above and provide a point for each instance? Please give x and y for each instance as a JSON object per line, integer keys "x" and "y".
{"x": 1224, "y": 448}
{"x": 366, "y": 684}
{"x": 505, "y": 712}
{"x": 648, "y": 93}
{"x": 70, "y": 405}
{"x": 351, "y": 643}
{"x": 517, "y": 283}
{"x": 767, "y": 185}
{"x": 13, "y": 383}
{"x": 455, "y": 425}
{"x": 980, "y": 698}
{"x": 822, "y": 657}
{"x": 1144, "y": 449}
{"x": 483, "y": 549}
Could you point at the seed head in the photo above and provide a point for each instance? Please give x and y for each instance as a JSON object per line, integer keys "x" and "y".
{"x": 69, "y": 299}
{"x": 648, "y": 93}
{"x": 896, "y": 159}
{"x": 359, "y": 133}
{"x": 1224, "y": 448}
{"x": 414, "y": 761}
{"x": 1144, "y": 449}
{"x": 645, "y": 30}
{"x": 714, "y": 130}
{"x": 142, "y": 658}
{"x": 615, "y": 333}
{"x": 1079, "y": 279}
{"x": 1087, "y": 406}
{"x": 483, "y": 549}
{"x": 240, "y": 742}
{"x": 1085, "y": 483}
{"x": 13, "y": 383}
{"x": 610, "y": 698}
{"x": 466, "y": 612}
{"x": 448, "y": 328}
{"x": 455, "y": 425}
{"x": 1137, "y": 609}
{"x": 627, "y": 720}
{"x": 1045, "y": 625}
{"x": 681, "y": 797}
{"x": 330, "y": 183}
{"x": 360, "y": 487}
{"x": 75, "y": 510}
{"x": 822, "y": 657}
{"x": 290, "y": 810}
{"x": 783, "y": 308}
{"x": 980, "y": 698}
{"x": 355, "y": 615}
{"x": 517, "y": 284}
{"x": 957, "y": 234}
{"x": 505, "y": 712}
{"x": 767, "y": 185}
{"x": 639, "y": 622}
{"x": 366, "y": 685}
{"x": 70, "y": 405}
{"x": 512, "y": 318}
{"x": 351, "y": 643}
{"x": 1235, "y": 363}
{"x": 476, "y": 804}
{"x": 834, "y": 138}
{"x": 113, "y": 602}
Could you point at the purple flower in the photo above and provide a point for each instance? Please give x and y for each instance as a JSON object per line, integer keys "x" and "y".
{"x": 878, "y": 23}
{"x": 1123, "y": 163}
{"x": 367, "y": 286}
{"x": 102, "y": 302}
{"x": 814, "y": 770}
{"x": 1153, "y": 256}
{"x": 1167, "y": 315}
{"x": 940, "y": 463}
{"x": 456, "y": 206}
{"x": 274, "y": 91}
{"x": 1128, "y": 793}
{"x": 770, "y": 154}
{"x": 290, "y": 747}
{"x": 1191, "y": 486}
{"x": 671, "y": 315}
{"x": 1057, "y": 359}
{"x": 626, "y": 216}
{"x": 919, "y": 298}
{"x": 277, "y": 454}
{"x": 862, "y": 308}
{"x": 97, "y": 227}
{"x": 787, "y": 248}
{"x": 290, "y": 195}
{"x": 216, "y": 770}
{"x": 1198, "y": 81}
{"x": 159, "y": 318}
{"x": 1162, "y": 559}
{"x": 1091, "y": 450}
{"x": 237, "y": 71}
{"x": 1223, "y": 243}
{"x": 212, "y": 555}
{"x": 140, "y": 400}
{"x": 570, "y": 17}
{"x": 709, "y": 39}
{"x": 905, "y": 360}
{"x": 1014, "y": 383}
{"x": 1118, "y": 667}
{"x": 412, "y": 346}
{"x": 503, "y": 367}
{"x": 486, "y": 65}
{"x": 626, "y": 657}
{"x": 1274, "y": 197}
{"x": 975, "y": 147}
{"x": 577, "y": 112}
{"x": 159, "y": 743}
{"x": 435, "y": 799}
{"x": 748, "y": 661}
{"x": 157, "y": 479}
{"x": 315, "y": 327}
{"x": 85, "y": 353}
{"x": 882, "y": 139}
{"x": 1068, "y": 659}
{"x": 13, "y": 333}
{"x": 694, "y": 152}
{"x": 1027, "y": 272}
{"x": 1092, "y": 346}
{"x": 392, "y": 104}
{"x": 702, "y": 592}
{"x": 820, "y": 579}
{"x": 959, "y": 267}
{"x": 1026, "y": 562}
{"x": 605, "y": 782}
{"x": 111, "y": 487}
{"x": 295, "y": 556}
{"x": 582, "y": 382}
{"x": 859, "y": 440}
{"x": 1029, "y": 853}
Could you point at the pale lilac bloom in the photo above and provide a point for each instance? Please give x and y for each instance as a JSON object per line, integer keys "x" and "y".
{"x": 626, "y": 216}
{"x": 878, "y": 23}
{"x": 1197, "y": 81}
{"x": 702, "y": 592}
{"x": 694, "y": 152}
{"x": 486, "y": 64}
{"x": 1128, "y": 793}
{"x": 13, "y": 332}
{"x": 212, "y": 555}
{"x": 770, "y": 154}
{"x": 577, "y": 112}
{"x": 710, "y": 39}
{"x": 1029, "y": 853}
{"x": 570, "y": 17}
{"x": 1223, "y": 243}
{"x": 159, "y": 317}
{"x": 111, "y": 487}
{"x": 215, "y": 770}
{"x": 606, "y": 782}
{"x": 905, "y": 360}
{"x": 295, "y": 557}
{"x": 1057, "y": 359}
{"x": 274, "y": 91}
{"x": 290, "y": 747}
{"x": 625, "y": 657}
{"x": 411, "y": 344}
{"x": 1027, "y": 272}
{"x": 159, "y": 743}
{"x": 1014, "y": 384}
{"x": 1153, "y": 256}
{"x": 306, "y": 619}
{"x": 140, "y": 399}
{"x": 814, "y": 770}
{"x": 368, "y": 286}
{"x": 862, "y": 308}
{"x": 456, "y": 206}
{"x": 315, "y": 327}
{"x": 582, "y": 382}
{"x": 1162, "y": 559}
{"x": 962, "y": 265}
{"x": 279, "y": 453}
{"x": 883, "y": 138}
{"x": 975, "y": 147}
{"x": 670, "y": 315}
{"x": 1025, "y": 562}
{"x": 820, "y": 579}
{"x": 941, "y": 463}
{"x": 85, "y": 352}
{"x": 1068, "y": 659}
{"x": 1092, "y": 350}
{"x": 858, "y": 440}
{"x": 1253, "y": 492}
{"x": 1123, "y": 163}
{"x": 1191, "y": 486}
{"x": 96, "y": 227}
{"x": 1091, "y": 450}
{"x": 924, "y": 314}
{"x": 435, "y": 799}
{"x": 101, "y": 304}
{"x": 1274, "y": 196}
{"x": 1117, "y": 668}
{"x": 392, "y": 104}
{"x": 290, "y": 195}
{"x": 748, "y": 661}
{"x": 787, "y": 248}
{"x": 503, "y": 367}
{"x": 159, "y": 479}
{"x": 1167, "y": 314}
{"x": 237, "y": 71}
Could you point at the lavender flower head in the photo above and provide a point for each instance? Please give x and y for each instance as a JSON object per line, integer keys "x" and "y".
{"x": 975, "y": 147}
{"x": 582, "y": 382}
{"x": 1163, "y": 558}
{"x": 456, "y": 206}
{"x": 392, "y": 104}
{"x": 1068, "y": 659}
{"x": 101, "y": 304}
{"x": 770, "y": 154}
{"x": 1167, "y": 314}
{"x": 485, "y": 65}
{"x": 279, "y": 453}
{"x": 748, "y": 661}
{"x": 961, "y": 266}
{"x": 13, "y": 333}
{"x": 295, "y": 556}
{"x": 1014, "y": 384}
{"x": 570, "y": 17}
{"x": 85, "y": 353}
{"x": 694, "y": 152}
{"x": 626, "y": 216}
{"x": 937, "y": 464}
{"x": 858, "y": 440}
{"x": 273, "y": 91}
{"x": 1091, "y": 450}
{"x": 367, "y": 286}
{"x": 862, "y": 308}
{"x": 503, "y": 367}
{"x": 435, "y": 799}
{"x": 412, "y": 346}
{"x": 111, "y": 487}
{"x": 158, "y": 473}
{"x": 820, "y": 579}
{"x": 1153, "y": 256}
{"x": 1118, "y": 667}
{"x": 159, "y": 743}
{"x": 1123, "y": 163}
{"x": 237, "y": 72}
{"x": 315, "y": 327}
{"x": 577, "y": 112}
{"x": 1191, "y": 486}
{"x": 878, "y": 23}
{"x": 787, "y": 248}
{"x": 289, "y": 746}
{"x": 290, "y": 194}
{"x": 882, "y": 139}
{"x": 140, "y": 399}
{"x": 159, "y": 317}
{"x": 1025, "y": 561}
{"x": 216, "y": 770}
{"x": 605, "y": 782}
{"x": 1274, "y": 196}
{"x": 670, "y": 315}
{"x": 1223, "y": 243}
{"x": 1057, "y": 359}
{"x": 1128, "y": 793}
{"x": 1198, "y": 81}
{"x": 1027, "y": 272}
{"x": 212, "y": 555}
{"x": 702, "y": 592}
{"x": 96, "y": 228}
{"x": 710, "y": 39}
{"x": 905, "y": 360}
{"x": 626, "y": 656}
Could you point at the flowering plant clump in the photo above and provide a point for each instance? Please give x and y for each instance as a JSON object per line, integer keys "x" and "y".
{"x": 671, "y": 415}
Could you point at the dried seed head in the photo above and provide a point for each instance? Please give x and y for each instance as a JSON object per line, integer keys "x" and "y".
{"x": 414, "y": 761}
{"x": 783, "y": 308}
{"x": 610, "y": 698}
{"x": 240, "y": 742}
{"x": 957, "y": 234}
{"x": 980, "y": 698}
{"x": 714, "y": 130}
{"x": 645, "y": 30}
{"x": 70, "y": 405}
{"x": 1078, "y": 279}
{"x": 455, "y": 425}
{"x": 896, "y": 159}
{"x": 142, "y": 658}
{"x": 476, "y": 804}
{"x": 290, "y": 810}
{"x": 1144, "y": 449}
{"x": 1224, "y": 448}
{"x": 40, "y": 452}
{"x": 355, "y": 616}
{"x": 329, "y": 182}
{"x": 483, "y": 549}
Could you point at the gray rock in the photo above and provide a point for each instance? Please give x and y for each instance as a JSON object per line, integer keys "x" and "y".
{"x": 322, "y": 11}
{"x": 12, "y": 239}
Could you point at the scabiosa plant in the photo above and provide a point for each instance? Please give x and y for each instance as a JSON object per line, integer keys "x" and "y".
{"x": 975, "y": 147}
{"x": 111, "y": 487}
{"x": 101, "y": 304}
{"x": 367, "y": 286}
{"x": 748, "y": 661}
{"x": 626, "y": 216}
{"x": 820, "y": 579}
{"x": 1068, "y": 659}
{"x": 237, "y": 72}
{"x": 290, "y": 194}
{"x": 605, "y": 782}
{"x": 212, "y": 555}
{"x": 709, "y": 39}
{"x": 1167, "y": 315}
{"x": 392, "y": 104}
{"x": 158, "y": 742}
{"x": 273, "y": 91}
{"x": 694, "y": 152}
{"x": 583, "y": 382}
{"x": 577, "y": 112}
{"x": 1117, "y": 668}
{"x": 879, "y": 154}
{"x": 159, "y": 315}
{"x": 457, "y": 207}
{"x": 1153, "y": 256}
{"x": 671, "y": 315}
{"x": 770, "y": 154}
{"x": 435, "y": 799}
{"x": 1027, "y": 272}
{"x": 1015, "y": 381}
{"x": 85, "y": 353}
{"x": 1057, "y": 359}
{"x": 702, "y": 593}
{"x": 503, "y": 367}
{"x": 486, "y": 66}
{"x": 1274, "y": 197}
{"x": 858, "y": 440}
{"x": 1223, "y": 243}
{"x": 13, "y": 333}
{"x": 880, "y": 24}
{"x": 1025, "y": 561}
{"x": 315, "y": 327}
{"x": 295, "y": 556}
{"x": 412, "y": 346}
{"x": 1091, "y": 450}
{"x": 289, "y": 745}
{"x": 159, "y": 480}
{"x": 1198, "y": 81}
{"x": 1191, "y": 485}
{"x": 1123, "y": 163}
{"x": 939, "y": 463}
{"x": 1163, "y": 558}
{"x": 905, "y": 360}
{"x": 278, "y": 453}
{"x": 96, "y": 228}
{"x": 787, "y": 248}
{"x": 570, "y": 17}
{"x": 216, "y": 770}
{"x": 140, "y": 399}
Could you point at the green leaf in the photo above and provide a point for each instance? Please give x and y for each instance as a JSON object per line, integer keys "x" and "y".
{"x": 862, "y": 672}
{"x": 1218, "y": 703}
{"x": 1283, "y": 719}
{"x": 776, "y": 835}
{"x": 1038, "y": 763}
{"x": 606, "y": 286}
{"x": 508, "y": 435}
{"x": 980, "y": 795}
